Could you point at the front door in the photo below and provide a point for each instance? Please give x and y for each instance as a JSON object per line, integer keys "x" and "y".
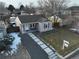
{"x": 34, "y": 26}
{"x": 26, "y": 27}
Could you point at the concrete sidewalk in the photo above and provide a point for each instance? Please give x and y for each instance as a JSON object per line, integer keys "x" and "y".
{"x": 51, "y": 54}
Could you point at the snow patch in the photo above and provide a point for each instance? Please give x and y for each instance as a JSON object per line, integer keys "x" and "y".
{"x": 16, "y": 42}
{"x": 75, "y": 30}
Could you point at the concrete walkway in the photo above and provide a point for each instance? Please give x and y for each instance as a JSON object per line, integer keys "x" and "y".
{"x": 51, "y": 54}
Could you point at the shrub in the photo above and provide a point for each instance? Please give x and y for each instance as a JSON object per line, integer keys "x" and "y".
{"x": 6, "y": 42}
{"x": 13, "y": 29}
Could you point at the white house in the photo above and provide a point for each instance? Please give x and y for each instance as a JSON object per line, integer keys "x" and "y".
{"x": 31, "y": 23}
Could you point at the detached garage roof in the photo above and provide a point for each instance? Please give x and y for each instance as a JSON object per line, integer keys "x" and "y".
{"x": 31, "y": 18}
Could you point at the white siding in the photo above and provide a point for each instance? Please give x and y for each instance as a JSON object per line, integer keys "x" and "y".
{"x": 42, "y": 26}
{"x": 26, "y": 26}
{"x": 18, "y": 22}
{"x": 22, "y": 29}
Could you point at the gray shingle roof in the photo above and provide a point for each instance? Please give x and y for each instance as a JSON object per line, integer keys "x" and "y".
{"x": 31, "y": 18}
{"x": 4, "y": 11}
{"x": 74, "y": 8}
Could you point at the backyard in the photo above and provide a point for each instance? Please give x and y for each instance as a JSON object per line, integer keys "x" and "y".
{"x": 55, "y": 39}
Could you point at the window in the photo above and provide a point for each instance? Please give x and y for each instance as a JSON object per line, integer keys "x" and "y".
{"x": 31, "y": 25}
{"x": 45, "y": 26}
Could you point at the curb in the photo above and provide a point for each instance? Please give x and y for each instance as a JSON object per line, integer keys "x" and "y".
{"x": 51, "y": 54}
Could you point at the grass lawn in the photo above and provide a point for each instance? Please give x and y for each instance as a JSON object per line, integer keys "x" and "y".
{"x": 56, "y": 40}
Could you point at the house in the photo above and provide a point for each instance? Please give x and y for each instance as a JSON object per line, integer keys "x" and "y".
{"x": 74, "y": 11}
{"x": 2, "y": 29}
{"x": 20, "y": 12}
{"x": 31, "y": 23}
{"x": 75, "y": 15}
{"x": 4, "y": 12}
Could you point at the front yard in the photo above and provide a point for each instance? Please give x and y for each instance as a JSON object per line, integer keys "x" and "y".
{"x": 55, "y": 38}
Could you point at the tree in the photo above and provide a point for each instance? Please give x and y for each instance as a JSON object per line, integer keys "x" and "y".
{"x": 27, "y": 9}
{"x": 11, "y": 8}
{"x": 30, "y": 9}
{"x": 22, "y": 7}
{"x": 52, "y": 7}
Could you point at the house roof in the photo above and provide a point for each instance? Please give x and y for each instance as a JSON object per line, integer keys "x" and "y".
{"x": 4, "y": 17}
{"x": 3, "y": 11}
{"x": 31, "y": 18}
{"x": 73, "y": 8}
{"x": 17, "y": 10}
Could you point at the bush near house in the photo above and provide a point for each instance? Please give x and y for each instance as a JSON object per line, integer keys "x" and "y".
{"x": 56, "y": 24}
{"x": 13, "y": 29}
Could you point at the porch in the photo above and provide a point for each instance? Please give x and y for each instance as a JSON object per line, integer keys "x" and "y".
{"x": 30, "y": 27}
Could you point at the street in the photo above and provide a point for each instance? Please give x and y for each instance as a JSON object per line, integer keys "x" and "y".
{"x": 34, "y": 50}
{"x": 75, "y": 57}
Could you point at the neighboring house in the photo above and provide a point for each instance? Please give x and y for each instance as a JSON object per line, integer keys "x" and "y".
{"x": 75, "y": 15}
{"x": 20, "y": 12}
{"x": 4, "y": 12}
{"x": 74, "y": 10}
{"x": 32, "y": 23}
{"x": 2, "y": 29}
{"x": 68, "y": 20}
{"x": 77, "y": 25}
{"x": 70, "y": 16}
{"x": 75, "y": 28}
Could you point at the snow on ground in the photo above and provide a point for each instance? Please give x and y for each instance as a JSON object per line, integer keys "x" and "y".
{"x": 16, "y": 42}
{"x": 74, "y": 29}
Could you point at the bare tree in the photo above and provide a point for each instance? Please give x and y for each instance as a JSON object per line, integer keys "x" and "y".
{"x": 52, "y": 7}
{"x": 30, "y": 8}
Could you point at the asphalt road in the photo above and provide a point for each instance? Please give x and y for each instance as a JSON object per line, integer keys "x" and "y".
{"x": 34, "y": 50}
{"x": 75, "y": 57}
